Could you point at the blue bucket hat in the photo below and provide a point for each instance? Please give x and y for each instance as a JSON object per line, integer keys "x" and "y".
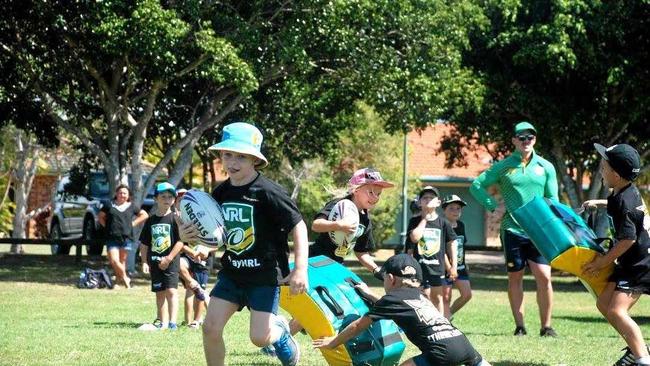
{"x": 243, "y": 138}
{"x": 165, "y": 187}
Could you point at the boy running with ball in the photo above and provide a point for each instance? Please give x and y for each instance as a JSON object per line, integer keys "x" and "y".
{"x": 259, "y": 216}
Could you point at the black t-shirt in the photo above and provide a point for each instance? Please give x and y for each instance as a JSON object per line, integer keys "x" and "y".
{"x": 631, "y": 222}
{"x": 258, "y": 217}
{"x": 422, "y": 323}
{"x": 159, "y": 235}
{"x": 363, "y": 242}
{"x": 460, "y": 244}
{"x": 119, "y": 220}
{"x": 430, "y": 250}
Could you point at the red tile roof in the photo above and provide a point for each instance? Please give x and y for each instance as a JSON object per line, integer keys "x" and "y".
{"x": 425, "y": 159}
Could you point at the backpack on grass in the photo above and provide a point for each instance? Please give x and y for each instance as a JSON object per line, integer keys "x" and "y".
{"x": 91, "y": 278}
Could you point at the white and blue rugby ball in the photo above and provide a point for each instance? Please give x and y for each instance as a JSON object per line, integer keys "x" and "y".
{"x": 205, "y": 213}
{"x": 344, "y": 209}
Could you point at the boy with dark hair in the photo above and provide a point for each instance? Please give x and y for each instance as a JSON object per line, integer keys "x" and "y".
{"x": 430, "y": 239}
{"x": 439, "y": 341}
{"x": 452, "y": 206}
{"x": 160, "y": 236}
{"x": 631, "y": 250}
{"x": 259, "y": 215}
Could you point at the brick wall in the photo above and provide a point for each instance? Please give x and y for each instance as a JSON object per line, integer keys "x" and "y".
{"x": 40, "y": 196}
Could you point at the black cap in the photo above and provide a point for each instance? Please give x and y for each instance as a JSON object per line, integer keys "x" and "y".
{"x": 453, "y": 199}
{"x": 431, "y": 189}
{"x": 623, "y": 158}
{"x": 403, "y": 265}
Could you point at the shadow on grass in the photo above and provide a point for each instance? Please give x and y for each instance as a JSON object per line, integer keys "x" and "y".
{"x": 515, "y": 363}
{"x": 113, "y": 325}
{"x": 45, "y": 268}
{"x": 640, "y": 320}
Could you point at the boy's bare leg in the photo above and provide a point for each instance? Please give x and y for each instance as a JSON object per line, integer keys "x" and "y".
{"x": 198, "y": 309}
{"x": 618, "y": 315}
{"x": 219, "y": 312}
{"x": 189, "y": 305}
{"x": 172, "y": 300}
{"x": 435, "y": 295}
{"x": 446, "y": 300}
{"x": 465, "y": 290}
{"x": 161, "y": 304}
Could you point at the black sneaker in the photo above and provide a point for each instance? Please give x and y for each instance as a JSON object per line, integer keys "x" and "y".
{"x": 520, "y": 331}
{"x": 547, "y": 332}
{"x": 627, "y": 359}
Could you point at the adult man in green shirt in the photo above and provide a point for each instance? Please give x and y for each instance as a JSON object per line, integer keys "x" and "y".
{"x": 520, "y": 177}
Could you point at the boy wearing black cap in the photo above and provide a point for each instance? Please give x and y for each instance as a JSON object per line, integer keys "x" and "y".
{"x": 452, "y": 206}
{"x": 631, "y": 251}
{"x": 440, "y": 342}
{"x": 430, "y": 239}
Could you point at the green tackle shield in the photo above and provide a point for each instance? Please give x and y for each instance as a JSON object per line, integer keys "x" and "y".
{"x": 563, "y": 238}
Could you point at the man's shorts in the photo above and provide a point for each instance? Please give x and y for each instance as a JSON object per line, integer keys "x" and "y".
{"x": 519, "y": 249}
{"x": 116, "y": 244}
{"x": 258, "y": 298}
{"x": 450, "y": 351}
{"x": 198, "y": 272}
{"x": 463, "y": 275}
{"x": 162, "y": 280}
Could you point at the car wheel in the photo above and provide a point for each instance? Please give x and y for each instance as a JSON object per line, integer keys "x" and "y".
{"x": 55, "y": 233}
{"x": 92, "y": 248}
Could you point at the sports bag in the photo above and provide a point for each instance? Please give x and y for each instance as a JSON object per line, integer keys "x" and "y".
{"x": 90, "y": 279}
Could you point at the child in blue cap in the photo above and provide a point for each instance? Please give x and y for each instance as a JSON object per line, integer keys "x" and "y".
{"x": 161, "y": 259}
{"x": 259, "y": 215}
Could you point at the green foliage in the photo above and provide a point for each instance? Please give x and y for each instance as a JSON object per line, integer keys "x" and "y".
{"x": 576, "y": 69}
{"x": 364, "y": 144}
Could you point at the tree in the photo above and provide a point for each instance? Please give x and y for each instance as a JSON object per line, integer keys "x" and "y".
{"x": 115, "y": 72}
{"x": 367, "y": 145}
{"x": 576, "y": 69}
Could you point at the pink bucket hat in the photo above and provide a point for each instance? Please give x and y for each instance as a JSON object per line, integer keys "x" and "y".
{"x": 368, "y": 176}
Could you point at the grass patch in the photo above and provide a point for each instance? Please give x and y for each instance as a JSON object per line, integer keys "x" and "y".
{"x": 46, "y": 320}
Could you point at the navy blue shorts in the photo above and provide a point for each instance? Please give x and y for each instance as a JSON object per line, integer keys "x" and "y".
{"x": 463, "y": 275}
{"x": 432, "y": 280}
{"x": 258, "y": 298}
{"x": 126, "y": 244}
{"x": 200, "y": 273}
{"x": 519, "y": 249}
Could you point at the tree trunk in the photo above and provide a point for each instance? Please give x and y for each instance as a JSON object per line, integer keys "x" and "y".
{"x": 183, "y": 162}
{"x": 22, "y": 177}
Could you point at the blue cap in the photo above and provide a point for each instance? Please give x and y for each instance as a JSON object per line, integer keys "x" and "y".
{"x": 524, "y": 126}
{"x": 243, "y": 138}
{"x": 165, "y": 187}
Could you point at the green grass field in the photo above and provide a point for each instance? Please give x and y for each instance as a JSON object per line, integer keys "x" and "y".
{"x": 46, "y": 320}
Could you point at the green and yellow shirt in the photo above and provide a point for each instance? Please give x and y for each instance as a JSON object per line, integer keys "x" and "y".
{"x": 518, "y": 182}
